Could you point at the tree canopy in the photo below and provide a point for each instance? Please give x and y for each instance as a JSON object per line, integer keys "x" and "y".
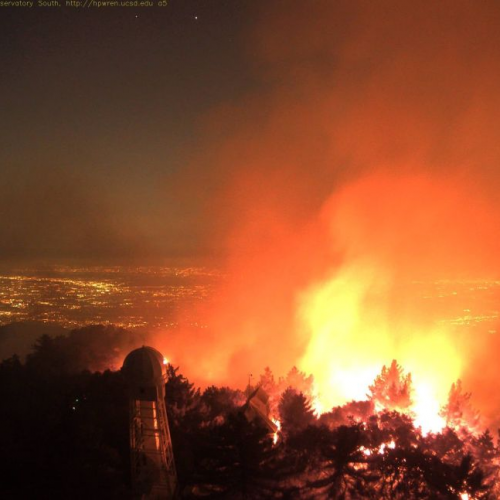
{"x": 68, "y": 426}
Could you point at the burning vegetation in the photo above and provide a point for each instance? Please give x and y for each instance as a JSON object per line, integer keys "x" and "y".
{"x": 358, "y": 285}
{"x": 284, "y": 447}
{"x": 272, "y": 440}
{"x": 364, "y": 165}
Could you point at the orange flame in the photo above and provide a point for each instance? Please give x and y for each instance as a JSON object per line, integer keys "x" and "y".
{"x": 332, "y": 296}
{"x": 350, "y": 339}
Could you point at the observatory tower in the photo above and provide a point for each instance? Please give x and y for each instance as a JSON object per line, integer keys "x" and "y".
{"x": 152, "y": 459}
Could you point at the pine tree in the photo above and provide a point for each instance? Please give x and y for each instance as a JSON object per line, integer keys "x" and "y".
{"x": 267, "y": 381}
{"x": 392, "y": 389}
{"x": 342, "y": 471}
{"x": 299, "y": 381}
{"x": 295, "y": 411}
{"x": 235, "y": 461}
{"x": 271, "y": 388}
{"x": 459, "y": 412}
{"x": 180, "y": 395}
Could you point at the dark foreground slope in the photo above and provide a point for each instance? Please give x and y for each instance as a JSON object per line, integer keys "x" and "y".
{"x": 65, "y": 435}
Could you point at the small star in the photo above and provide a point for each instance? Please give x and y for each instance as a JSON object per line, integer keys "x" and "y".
{"x": 196, "y": 18}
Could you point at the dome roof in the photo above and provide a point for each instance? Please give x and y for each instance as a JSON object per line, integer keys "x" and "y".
{"x": 144, "y": 367}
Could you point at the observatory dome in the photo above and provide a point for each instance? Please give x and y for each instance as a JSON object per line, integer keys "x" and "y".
{"x": 144, "y": 367}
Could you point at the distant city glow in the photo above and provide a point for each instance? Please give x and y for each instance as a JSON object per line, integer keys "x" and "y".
{"x": 128, "y": 297}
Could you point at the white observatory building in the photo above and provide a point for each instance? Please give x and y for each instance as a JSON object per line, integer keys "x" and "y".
{"x": 152, "y": 458}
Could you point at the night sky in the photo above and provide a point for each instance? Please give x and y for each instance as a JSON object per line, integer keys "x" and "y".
{"x": 205, "y": 128}
{"x": 100, "y": 110}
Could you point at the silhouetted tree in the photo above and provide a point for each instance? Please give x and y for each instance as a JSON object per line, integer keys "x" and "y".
{"x": 392, "y": 389}
{"x": 271, "y": 388}
{"x": 180, "y": 394}
{"x": 388, "y": 426}
{"x": 185, "y": 420}
{"x": 235, "y": 461}
{"x": 446, "y": 445}
{"x": 343, "y": 471}
{"x": 348, "y": 414}
{"x": 216, "y": 403}
{"x": 55, "y": 418}
{"x": 458, "y": 412}
{"x": 267, "y": 381}
{"x": 468, "y": 478}
{"x": 299, "y": 381}
{"x": 487, "y": 455}
{"x": 409, "y": 473}
{"x": 295, "y": 411}
{"x": 94, "y": 348}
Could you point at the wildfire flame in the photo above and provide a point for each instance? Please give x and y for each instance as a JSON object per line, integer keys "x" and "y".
{"x": 351, "y": 339}
{"x": 277, "y": 423}
{"x": 347, "y": 308}
{"x": 381, "y": 449}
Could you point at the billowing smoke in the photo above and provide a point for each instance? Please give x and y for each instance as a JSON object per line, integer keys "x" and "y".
{"x": 368, "y": 163}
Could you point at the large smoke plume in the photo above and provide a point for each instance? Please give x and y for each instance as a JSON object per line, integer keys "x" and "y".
{"x": 368, "y": 161}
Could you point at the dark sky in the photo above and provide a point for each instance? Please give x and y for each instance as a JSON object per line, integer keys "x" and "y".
{"x": 147, "y": 134}
{"x": 99, "y": 110}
